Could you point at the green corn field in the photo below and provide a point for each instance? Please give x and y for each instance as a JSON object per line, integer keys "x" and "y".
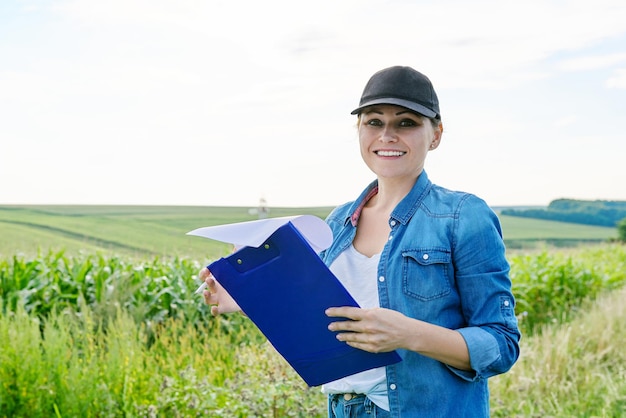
{"x": 95, "y": 333}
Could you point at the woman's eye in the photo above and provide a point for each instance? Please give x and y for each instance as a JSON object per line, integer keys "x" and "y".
{"x": 407, "y": 123}
{"x": 374, "y": 122}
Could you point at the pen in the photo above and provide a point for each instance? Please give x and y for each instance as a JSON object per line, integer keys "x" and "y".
{"x": 201, "y": 288}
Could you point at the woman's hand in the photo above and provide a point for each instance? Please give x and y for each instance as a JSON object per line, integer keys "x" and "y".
{"x": 216, "y": 296}
{"x": 375, "y": 330}
{"x": 379, "y": 330}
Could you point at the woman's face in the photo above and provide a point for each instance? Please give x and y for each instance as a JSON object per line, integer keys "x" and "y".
{"x": 394, "y": 141}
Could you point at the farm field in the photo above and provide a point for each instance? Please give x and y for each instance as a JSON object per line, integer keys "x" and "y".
{"x": 98, "y": 318}
{"x": 125, "y": 230}
{"x": 521, "y": 232}
{"x": 160, "y": 230}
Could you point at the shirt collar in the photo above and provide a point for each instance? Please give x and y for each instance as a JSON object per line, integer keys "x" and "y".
{"x": 405, "y": 209}
{"x": 354, "y": 218}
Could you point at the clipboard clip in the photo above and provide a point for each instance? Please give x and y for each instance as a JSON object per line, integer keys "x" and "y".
{"x": 249, "y": 258}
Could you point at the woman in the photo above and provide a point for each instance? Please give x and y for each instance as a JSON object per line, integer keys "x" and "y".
{"x": 426, "y": 264}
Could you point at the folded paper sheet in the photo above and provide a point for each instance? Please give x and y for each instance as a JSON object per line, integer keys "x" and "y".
{"x": 284, "y": 287}
{"x": 253, "y": 233}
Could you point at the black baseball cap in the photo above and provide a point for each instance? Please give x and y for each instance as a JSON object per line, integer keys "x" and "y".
{"x": 401, "y": 86}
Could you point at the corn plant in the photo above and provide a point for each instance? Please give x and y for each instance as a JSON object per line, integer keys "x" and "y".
{"x": 550, "y": 287}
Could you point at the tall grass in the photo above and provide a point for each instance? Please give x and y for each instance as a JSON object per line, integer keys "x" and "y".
{"x": 576, "y": 369}
{"x": 98, "y": 336}
{"x": 66, "y": 366}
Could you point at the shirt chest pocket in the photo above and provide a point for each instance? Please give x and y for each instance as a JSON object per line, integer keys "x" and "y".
{"x": 425, "y": 273}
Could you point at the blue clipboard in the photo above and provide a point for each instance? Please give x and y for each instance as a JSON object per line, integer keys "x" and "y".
{"x": 284, "y": 287}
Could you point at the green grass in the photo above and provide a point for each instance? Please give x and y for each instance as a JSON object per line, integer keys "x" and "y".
{"x": 525, "y": 228}
{"x": 525, "y": 232}
{"x": 160, "y": 230}
{"x": 126, "y": 230}
{"x": 573, "y": 369}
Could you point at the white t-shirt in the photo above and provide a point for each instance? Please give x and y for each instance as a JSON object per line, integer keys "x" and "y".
{"x": 358, "y": 274}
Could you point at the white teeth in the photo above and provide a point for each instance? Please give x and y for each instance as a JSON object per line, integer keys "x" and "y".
{"x": 390, "y": 153}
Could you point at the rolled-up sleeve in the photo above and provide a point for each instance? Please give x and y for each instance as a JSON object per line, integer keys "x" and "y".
{"x": 482, "y": 275}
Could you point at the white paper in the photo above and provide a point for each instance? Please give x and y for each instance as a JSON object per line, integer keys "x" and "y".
{"x": 253, "y": 233}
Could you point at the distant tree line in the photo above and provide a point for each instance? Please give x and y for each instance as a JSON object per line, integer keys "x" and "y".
{"x": 588, "y": 212}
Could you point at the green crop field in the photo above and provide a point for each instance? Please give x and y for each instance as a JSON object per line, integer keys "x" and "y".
{"x": 526, "y": 232}
{"x": 98, "y": 318}
{"x": 160, "y": 230}
{"x": 125, "y": 230}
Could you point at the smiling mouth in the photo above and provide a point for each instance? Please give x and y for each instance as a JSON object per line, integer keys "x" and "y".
{"x": 390, "y": 153}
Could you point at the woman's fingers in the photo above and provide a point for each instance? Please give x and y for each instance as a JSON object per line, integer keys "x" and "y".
{"x": 216, "y": 296}
{"x": 204, "y": 273}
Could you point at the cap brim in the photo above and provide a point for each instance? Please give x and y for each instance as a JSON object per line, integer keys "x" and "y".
{"x": 415, "y": 107}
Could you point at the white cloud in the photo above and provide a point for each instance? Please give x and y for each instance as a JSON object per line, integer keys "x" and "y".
{"x": 593, "y": 62}
{"x": 618, "y": 80}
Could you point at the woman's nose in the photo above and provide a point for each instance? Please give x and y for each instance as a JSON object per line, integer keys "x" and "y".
{"x": 388, "y": 135}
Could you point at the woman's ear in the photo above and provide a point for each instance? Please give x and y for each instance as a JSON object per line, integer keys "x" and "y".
{"x": 438, "y": 132}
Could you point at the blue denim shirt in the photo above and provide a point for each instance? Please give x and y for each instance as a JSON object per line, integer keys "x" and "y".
{"x": 444, "y": 263}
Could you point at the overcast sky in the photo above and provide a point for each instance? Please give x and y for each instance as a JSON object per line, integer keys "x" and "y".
{"x": 221, "y": 103}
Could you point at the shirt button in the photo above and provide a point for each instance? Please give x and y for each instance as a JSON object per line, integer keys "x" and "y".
{"x": 392, "y": 386}
{"x": 390, "y": 236}
{"x": 506, "y": 303}
{"x": 425, "y": 256}
{"x": 393, "y": 223}
{"x": 381, "y": 279}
